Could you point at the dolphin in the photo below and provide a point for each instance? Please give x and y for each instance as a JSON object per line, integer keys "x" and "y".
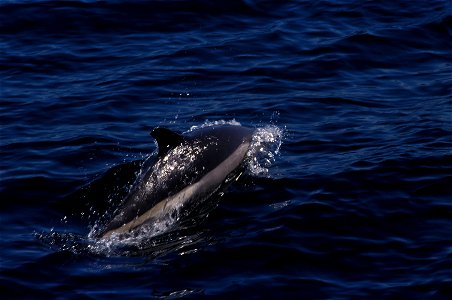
{"x": 189, "y": 168}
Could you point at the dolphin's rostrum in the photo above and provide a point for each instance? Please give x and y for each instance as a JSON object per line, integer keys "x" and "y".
{"x": 190, "y": 167}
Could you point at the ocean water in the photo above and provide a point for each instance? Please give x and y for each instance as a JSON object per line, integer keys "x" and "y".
{"x": 348, "y": 194}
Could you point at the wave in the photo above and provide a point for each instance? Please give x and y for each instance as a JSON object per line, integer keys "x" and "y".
{"x": 111, "y": 16}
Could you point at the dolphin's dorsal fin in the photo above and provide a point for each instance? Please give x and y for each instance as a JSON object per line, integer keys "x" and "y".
{"x": 166, "y": 139}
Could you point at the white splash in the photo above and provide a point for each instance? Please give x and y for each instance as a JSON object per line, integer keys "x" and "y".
{"x": 117, "y": 243}
{"x": 208, "y": 123}
{"x": 264, "y": 149}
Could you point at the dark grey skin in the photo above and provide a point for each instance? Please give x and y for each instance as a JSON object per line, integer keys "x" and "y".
{"x": 190, "y": 167}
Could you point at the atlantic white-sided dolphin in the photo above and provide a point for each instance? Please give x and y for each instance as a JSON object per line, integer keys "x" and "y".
{"x": 190, "y": 167}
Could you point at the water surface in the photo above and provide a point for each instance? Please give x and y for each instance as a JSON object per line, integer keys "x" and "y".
{"x": 356, "y": 202}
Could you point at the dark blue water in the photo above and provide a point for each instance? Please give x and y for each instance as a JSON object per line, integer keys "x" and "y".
{"x": 356, "y": 203}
